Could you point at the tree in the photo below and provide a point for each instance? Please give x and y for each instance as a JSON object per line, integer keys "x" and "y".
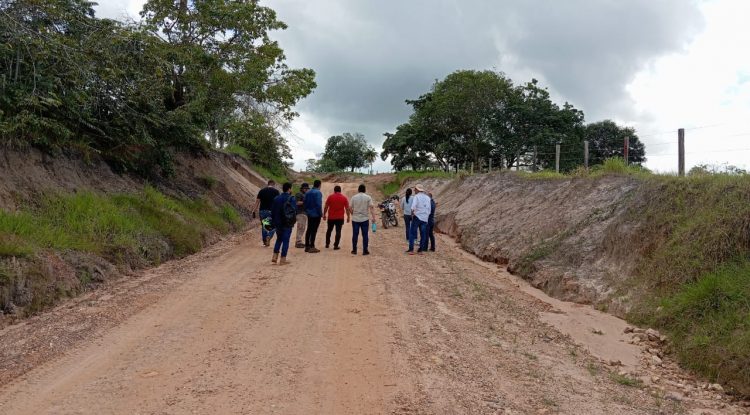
{"x": 607, "y": 140}
{"x": 472, "y": 116}
{"x": 135, "y": 93}
{"x": 348, "y": 151}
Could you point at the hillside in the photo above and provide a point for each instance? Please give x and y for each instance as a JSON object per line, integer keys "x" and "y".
{"x": 664, "y": 251}
{"x": 68, "y": 224}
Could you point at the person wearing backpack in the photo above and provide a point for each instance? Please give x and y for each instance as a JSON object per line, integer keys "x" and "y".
{"x": 284, "y": 216}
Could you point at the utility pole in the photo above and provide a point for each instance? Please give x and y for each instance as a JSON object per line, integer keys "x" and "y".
{"x": 557, "y": 158}
{"x": 681, "y": 152}
{"x": 586, "y": 154}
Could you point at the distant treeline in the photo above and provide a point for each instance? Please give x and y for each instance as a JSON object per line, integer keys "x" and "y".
{"x": 481, "y": 117}
{"x": 188, "y": 75}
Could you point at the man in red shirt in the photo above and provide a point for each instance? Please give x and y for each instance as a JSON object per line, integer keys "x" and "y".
{"x": 337, "y": 205}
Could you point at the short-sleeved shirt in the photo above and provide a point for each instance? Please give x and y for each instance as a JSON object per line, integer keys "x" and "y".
{"x": 300, "y": 207}
{"x": 266, "y": 196}
{"x": 337, "y": 205}
{"x": 361, "y": 203}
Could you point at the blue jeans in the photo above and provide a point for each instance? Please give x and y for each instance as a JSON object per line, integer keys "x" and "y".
{"x": 431, "y": 234}
{"x": 407, "y": 225}
{"x": 365, "y": 227}
{"x": 282, "y": 241}
{"x": 264, "y": 233}
{"x": 421, "y": 227}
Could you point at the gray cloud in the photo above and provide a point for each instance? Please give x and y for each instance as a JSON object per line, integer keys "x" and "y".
{"x": 371, "y": 56}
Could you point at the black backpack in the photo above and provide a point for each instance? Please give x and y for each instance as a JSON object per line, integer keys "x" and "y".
{"x": 290, "y": 211}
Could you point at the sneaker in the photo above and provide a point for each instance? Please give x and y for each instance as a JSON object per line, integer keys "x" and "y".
{"x": 307, "y": 249}
{"x": 336, "y": 248}
{"x": 328, "y": 246}
{"x": 354, "y": 252}
{"x": 313, "y": 250}
{"x": 366, "y": 253}
{"x": 267, "y": 241}
{"x": 432, "y": 249}
{"x": 411, "y": 252}
{"x": 299, "y": 245}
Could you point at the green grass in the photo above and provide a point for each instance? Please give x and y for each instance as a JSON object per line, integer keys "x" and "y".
{"x": 114, "y": 226}
{"x": 238, "y": 150}
{"x": 626, "y": 380}
{"x": 133, "y": 229}
{"x": 402, "y": 177}
{"x": 709, "y": 324}
{"x": 277, "y": 175}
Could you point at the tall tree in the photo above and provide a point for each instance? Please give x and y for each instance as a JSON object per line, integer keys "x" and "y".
{"x": 348, "y": 151}
{"x": 607, "y": 140}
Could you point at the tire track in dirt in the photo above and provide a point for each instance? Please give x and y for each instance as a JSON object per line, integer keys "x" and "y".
{"x": 226, "y": 331}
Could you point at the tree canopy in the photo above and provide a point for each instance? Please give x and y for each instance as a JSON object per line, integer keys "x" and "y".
{"x": 483, "y": 117}
{"x": 191, "y": 70}
{"x": 348, "y": 151}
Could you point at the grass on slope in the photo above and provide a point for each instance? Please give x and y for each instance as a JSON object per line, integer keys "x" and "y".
{"x": 696, "y": 271}
{"x": 133, "y": 229}
{"x": 401, "y": 177}
{"x": 114, "y": 225}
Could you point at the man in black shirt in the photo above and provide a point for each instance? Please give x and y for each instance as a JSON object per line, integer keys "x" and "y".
{"x": 264, "y": 202}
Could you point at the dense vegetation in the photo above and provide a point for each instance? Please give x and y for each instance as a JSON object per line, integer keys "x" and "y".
{"x": 481, "y": 117}
{"x": 189, "y": 75}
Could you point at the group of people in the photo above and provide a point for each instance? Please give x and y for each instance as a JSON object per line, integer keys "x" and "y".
{"x": 418, "y": 208}
{"x": 280, "y": 212}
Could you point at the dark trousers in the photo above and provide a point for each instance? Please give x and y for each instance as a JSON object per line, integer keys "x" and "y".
{"x": 312, "y": 231}
{"x": 282, "y": 241}
{"x": 263, "y": 232}
{"x": 431, "y": 234}
{"x": 421, "y": 227}
{"x": 407, "y": 225}
{"x": 365, "y": 228}
{"x": 334, "y": 223}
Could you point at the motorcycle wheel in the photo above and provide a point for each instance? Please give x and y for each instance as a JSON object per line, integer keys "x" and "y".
{"x": 394, "y": 221}
{"x": 385, "y": 222}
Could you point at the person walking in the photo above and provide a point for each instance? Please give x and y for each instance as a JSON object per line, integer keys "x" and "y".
{"x": 360, "y": 205}
{"x": 406, "y": 210}
{"x": 431, "y": 223}
{"x": 264, "y": 201}
{"x": 284, "y": 216}
{"x": 420, "y": 212}
{"x": 337, "y": 205}
{"x": 301, "y": 215}
{"x": 314, "y": 210}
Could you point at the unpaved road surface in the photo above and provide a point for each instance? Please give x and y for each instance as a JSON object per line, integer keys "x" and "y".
{"x": 227, "y": 332}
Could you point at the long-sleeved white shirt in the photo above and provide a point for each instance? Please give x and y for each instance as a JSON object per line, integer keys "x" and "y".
{"x": 420, "y": 206}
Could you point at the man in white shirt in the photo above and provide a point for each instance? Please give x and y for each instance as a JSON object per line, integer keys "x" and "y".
{"x": 360, "y": 205}
{"x": 420, "y": 212}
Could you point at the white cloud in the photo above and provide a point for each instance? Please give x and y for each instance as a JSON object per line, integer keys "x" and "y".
{"x": 706, "y": 90}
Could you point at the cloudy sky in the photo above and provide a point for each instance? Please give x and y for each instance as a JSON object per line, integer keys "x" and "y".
{"x": 653, "y": 65}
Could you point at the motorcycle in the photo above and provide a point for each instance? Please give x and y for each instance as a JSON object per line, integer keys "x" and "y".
{"x": 388, "y": 213}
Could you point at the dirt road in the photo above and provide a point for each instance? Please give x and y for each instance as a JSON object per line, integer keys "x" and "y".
{"x": 227, "y": 332}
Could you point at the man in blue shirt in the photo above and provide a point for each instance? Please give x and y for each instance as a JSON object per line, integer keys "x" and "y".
{"x": 314, "y": 210}
{"x": 281, "y": 223}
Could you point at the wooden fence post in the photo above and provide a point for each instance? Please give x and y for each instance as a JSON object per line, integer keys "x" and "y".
{"x": 681, "y": 152}
{"x": 586, "y": 154}
{"x": 533, "y": 168}
{"x": 557, "y": 158}
{"x": 625, "y": 150}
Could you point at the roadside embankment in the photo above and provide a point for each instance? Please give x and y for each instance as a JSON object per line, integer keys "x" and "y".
{"x": 661, "y": 251}
{"x": 67, "y": 223}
